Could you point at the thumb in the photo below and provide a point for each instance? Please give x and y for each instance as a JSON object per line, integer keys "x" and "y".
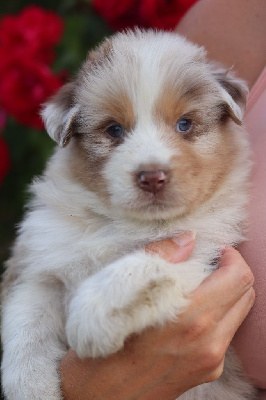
{"x": 175, "y": 250}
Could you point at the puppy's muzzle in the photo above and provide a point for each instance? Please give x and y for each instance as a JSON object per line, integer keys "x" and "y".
{"x": 152, "y": 181}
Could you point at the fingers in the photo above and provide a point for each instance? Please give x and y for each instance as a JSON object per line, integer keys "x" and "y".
{"x": 173, "y": 250}
{"x": 225, "y": 286}
{"x": 236, "y": 315}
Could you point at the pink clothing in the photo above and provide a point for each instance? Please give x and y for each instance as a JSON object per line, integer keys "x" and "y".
{"x": 250, "y": 340}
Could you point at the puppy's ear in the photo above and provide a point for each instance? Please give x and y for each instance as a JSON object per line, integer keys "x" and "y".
{"x": 59, "y": 115}
{"x": 234, "y": 92}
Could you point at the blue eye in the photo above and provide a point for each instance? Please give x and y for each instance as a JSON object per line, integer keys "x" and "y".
{"x": 115, "y": 130}
{"x": 184, "y": 125}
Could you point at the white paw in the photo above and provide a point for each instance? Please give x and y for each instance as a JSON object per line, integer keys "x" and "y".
{"x": 92, "y": 337}
{"x": 124, "y": 298}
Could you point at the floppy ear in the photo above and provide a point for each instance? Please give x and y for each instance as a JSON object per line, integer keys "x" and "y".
{"x": 59, "y": 115}
{"x": 234, "y": 92}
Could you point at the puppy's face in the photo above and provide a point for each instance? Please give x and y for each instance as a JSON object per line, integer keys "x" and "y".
{"x": 152, "y": 127}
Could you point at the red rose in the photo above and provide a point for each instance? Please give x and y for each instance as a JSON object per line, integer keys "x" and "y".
{"x": 4, "y": 159}
{"x": 24, "y": 86}
{"x": 118, "y": 14}
{"x": 34, "y": 30}
{"x": 163, "y": 14}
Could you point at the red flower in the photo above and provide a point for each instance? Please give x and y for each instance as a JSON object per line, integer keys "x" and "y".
{"x": 163, "y": 14}
{"x": 27, "y": 42}
{"x": 34, "y": 30}
{"x": 4, "y": 159}
{"x": 24, "y": 86}
{"x": 119, "y": 14}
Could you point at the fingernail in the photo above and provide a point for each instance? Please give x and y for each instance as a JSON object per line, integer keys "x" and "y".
{"x": 184, "y": 239}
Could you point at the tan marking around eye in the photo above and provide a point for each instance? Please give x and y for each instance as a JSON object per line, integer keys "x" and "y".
{"x": 119, "y": 108}
{"x": 86, "y": 168}
{"x": 169, "y": 107}
{"x": 92, "y": 148}
{"x": 198, "y": 175}
{"x": 202, "y": 164}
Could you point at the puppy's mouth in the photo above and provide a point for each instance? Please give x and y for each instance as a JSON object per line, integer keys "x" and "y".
{"x": 155, "y": 205}
{"x": 153, "y": 200}
{"x": 155, "y": 194}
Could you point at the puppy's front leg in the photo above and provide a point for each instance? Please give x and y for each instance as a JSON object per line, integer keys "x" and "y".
{"x": 135, "y": 292}
{"x": 32, "y": 335}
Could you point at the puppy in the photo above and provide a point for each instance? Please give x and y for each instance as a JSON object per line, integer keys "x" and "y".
{"x": 151, "y": 144}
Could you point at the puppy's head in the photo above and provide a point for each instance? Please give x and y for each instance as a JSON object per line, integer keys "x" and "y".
{"x": 151, "y": 126}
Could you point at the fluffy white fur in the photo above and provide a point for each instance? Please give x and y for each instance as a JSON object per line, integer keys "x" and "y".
{"x": 79, "y": 276}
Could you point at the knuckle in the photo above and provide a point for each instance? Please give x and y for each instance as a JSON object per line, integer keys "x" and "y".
{"x": 245, "y": 273}
{"x": 216, "y": 373}
{"x": 247, "y": 277}
{"x": 199, "y": 327}
{"x": 252, "y": 295}
{"x": 213, "y": 358}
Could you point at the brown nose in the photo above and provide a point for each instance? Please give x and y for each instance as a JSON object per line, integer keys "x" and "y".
{"x": 152, "y": 181}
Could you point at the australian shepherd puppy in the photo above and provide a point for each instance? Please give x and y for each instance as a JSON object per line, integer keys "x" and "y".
{"x": 151, "y": 144}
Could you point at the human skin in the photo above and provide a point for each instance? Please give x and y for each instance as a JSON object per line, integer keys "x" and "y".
{"x": 163, "y": 363}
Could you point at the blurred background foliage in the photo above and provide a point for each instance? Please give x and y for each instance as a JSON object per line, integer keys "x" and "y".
{"x": 29, "y": 148}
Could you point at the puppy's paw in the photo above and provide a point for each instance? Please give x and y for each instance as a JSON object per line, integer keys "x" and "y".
{"x": 124, "y": 298}
{"x": 101, "y": 330}
{"x": 91, "y": 340}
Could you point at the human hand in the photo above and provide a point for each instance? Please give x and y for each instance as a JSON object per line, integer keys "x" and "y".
{"x": 164, "y": 362}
